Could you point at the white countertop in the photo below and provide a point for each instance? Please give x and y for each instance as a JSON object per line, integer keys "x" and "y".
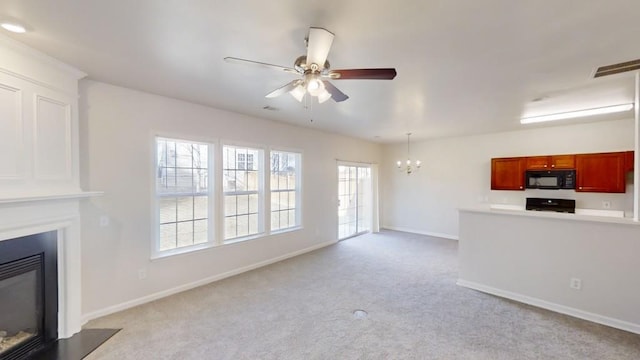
{"x": 516, "y": 210}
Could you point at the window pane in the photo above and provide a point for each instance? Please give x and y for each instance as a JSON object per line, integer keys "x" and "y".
{"x": 275, "y": 201}
{"x": 282, "y": 178}
{"x": 230, "y": 227}
{"x": 253, "y": 203}
{"x": 275, "y": 220}
{"x": 229, "y": 180}
{"x": 201, "y": 207}
{"x": 292, "y": 217}
{"x": 230, "y": 205}
{"x": 185, "y": 233}
{"x": 167, "y": 236}
{"x": 252, "y": 181}
{"x": 274, "y": 181}
{"x": 292, "y": 200}
{"x": 243, "y": 225}
{"x": 243, "y": 204}
{"x": 185, "y": 208}
{"x": 167, "y": 210}
{"x": 200, "y": 231}
{"x": 253, "y": 224}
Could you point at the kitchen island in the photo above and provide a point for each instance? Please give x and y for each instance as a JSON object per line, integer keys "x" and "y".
{"x": 584, "y": 266}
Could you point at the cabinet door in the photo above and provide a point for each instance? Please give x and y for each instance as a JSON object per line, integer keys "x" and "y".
{"x": 507, "y": 173}
{"x": 563, "y": 161}
{"x": 537, "y": 162}
{"x": 628, "y": 160}
{"x": 602, "y": 172}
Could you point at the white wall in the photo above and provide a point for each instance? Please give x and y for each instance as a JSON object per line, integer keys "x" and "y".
{"x": 117, "y": 126}
{"x": 456, "y": 173}
{"x": 531, "y": 257}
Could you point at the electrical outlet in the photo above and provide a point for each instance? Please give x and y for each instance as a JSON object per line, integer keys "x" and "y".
{"x": 104, "y": 221}
{"x": 142, "y": 274}
{"x": 575, "y": 283}
{"x": 606, "y": 204}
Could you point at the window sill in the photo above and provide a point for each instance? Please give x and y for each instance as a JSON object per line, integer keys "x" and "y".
{"x": 182, "y": 251}
{"x": 290, "y": 229}
{"x": 207, "y": 246}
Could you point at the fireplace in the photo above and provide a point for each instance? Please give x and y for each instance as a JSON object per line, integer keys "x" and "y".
{"x": 28, "y": 294}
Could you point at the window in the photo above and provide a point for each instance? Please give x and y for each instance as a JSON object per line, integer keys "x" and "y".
{"x": 183, "y": 195}
{"x": 242, "y": 190}
{"x": 285, "y": 190}
{"x": 245, "y": 161}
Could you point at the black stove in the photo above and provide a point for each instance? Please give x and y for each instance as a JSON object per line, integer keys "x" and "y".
{"x": 546, "y": 204}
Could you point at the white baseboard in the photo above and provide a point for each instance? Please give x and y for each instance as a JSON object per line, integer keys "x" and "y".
{"x": 600, "y": 319}
{"x": 155, "y": 296}
{"x": 414, "y": 231}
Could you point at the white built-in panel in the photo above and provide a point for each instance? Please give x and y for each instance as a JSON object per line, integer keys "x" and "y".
{"x": 11, "y": 141}
{"x": 52, "y": 139}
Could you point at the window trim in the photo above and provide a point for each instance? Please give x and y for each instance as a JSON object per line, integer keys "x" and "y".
{"x": 216, "y": 193}
{"x": 156, "y": 253}
{"x": 299, "y": 190}
{"x": 263, "y": 229}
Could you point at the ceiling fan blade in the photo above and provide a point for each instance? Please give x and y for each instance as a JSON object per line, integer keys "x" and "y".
{"x": 362, "y": 74}
{"x": 251, "y": 62}
{"x": 336, "y": 94}
{"x": 318, "y": 46}
{"x": 283, "y": 89}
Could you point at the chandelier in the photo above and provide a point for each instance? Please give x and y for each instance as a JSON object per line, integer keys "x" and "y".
{"x": 408, "y": 166}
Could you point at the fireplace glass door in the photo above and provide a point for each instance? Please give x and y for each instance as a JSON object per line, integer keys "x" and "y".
{"x": 21, "y": 306}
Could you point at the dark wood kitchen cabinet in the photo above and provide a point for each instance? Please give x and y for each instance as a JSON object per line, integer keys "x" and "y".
{"x": 628, "y": 160}
{"x": 507, "y": 173}
{"x": 602, "y": 172}
{"x": 551, "y": 162}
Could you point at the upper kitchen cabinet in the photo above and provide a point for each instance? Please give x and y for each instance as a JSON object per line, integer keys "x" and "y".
{"x": 551, "y": 162}
{"x": 602, "y": 172}
{"x": 507, "y": 173}
{"x": 628, "y": 161}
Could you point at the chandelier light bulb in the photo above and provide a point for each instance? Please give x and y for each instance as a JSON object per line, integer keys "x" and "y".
{"x": 408, "y": 168}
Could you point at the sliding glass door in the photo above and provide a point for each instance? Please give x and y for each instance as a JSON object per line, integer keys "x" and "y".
{"x": 354, "y": 200}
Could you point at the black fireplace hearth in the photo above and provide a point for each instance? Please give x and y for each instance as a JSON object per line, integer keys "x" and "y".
{"x": 28, "y": 295}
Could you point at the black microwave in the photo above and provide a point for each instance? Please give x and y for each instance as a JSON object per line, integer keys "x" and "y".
{"x": 550, "y": 179}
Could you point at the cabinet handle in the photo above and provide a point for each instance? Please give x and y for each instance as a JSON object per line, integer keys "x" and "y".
{"x": 520, "y": 187}
{"x": 580, "y": 188}
{"x": 545, "y": 165}
{"x": 553, "y": 166}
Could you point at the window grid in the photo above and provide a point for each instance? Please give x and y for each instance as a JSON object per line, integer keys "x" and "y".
{"x": 182, "y": 194}
{"x": 284, "y": 190}
{"x": 241, "y": 192}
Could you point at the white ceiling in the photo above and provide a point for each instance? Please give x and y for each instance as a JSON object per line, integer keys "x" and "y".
{"x": 464, "y": 67}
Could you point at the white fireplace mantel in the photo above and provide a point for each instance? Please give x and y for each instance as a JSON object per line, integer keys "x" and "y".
{"x": 39, "y": 163}
{"x": 28, "y": 216}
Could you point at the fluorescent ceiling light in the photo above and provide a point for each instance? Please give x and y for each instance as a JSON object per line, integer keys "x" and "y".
{"x": 578, "y": 113}
{"x": 13, "y": 27}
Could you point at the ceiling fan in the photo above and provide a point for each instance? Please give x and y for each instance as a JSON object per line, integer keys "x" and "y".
{"x": 315, "y": 72}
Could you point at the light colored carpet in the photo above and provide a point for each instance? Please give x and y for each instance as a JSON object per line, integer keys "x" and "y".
{"x": 302, "y": 308}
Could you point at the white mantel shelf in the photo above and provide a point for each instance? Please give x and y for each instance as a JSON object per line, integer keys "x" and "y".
{"x": 552, "y": 215}
{"x": 23, "y": 198}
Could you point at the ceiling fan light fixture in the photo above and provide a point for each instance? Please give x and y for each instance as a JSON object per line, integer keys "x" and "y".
{"x": 298, "y": 92}
{"x": 324, "y": 96}
{"x": 313, "y": 84}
